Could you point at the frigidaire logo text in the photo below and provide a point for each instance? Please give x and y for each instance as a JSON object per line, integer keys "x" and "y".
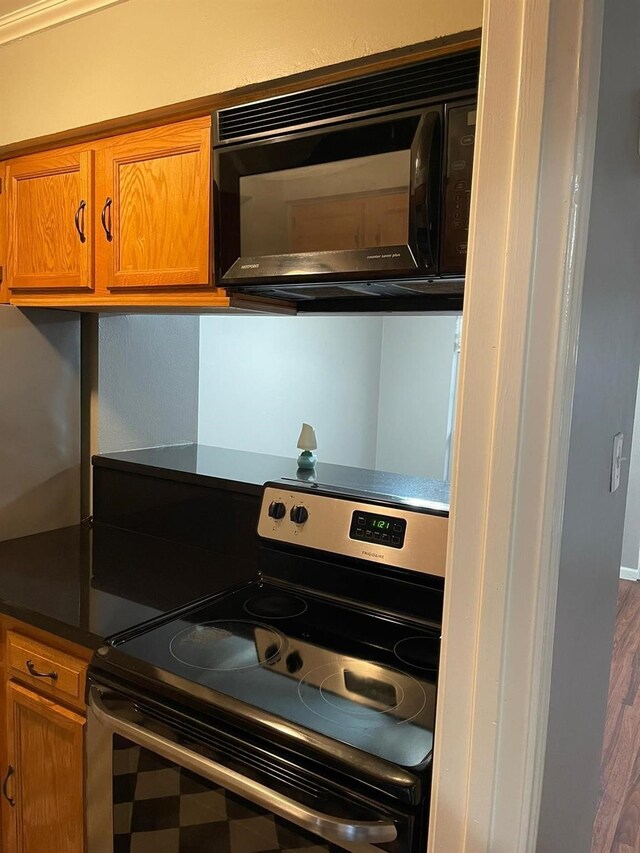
{"x": 372, "y": 554}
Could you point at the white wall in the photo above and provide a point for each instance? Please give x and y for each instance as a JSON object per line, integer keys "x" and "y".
{"x": 603, "y": 405}
{"x": 261, "y": 377}
{"x": 631, "y": 539}
{"x": 415, "y": 387}
{"x": 147, "y": 381}
{"x": 141, "y": 54}
{"x": 376, "y": 389}
{"x": 39, "y": 420}
{"x": 367, "y": 384}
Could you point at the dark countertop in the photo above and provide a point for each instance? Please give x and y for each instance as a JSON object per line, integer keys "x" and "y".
{"x": 239, "y": 470}
{"x": 85, "y": 584}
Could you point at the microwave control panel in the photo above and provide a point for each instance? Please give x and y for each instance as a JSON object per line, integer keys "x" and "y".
{"x": 461, "y": 135}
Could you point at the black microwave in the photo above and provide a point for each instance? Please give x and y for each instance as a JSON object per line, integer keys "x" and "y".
{"x": 314, "y": 203}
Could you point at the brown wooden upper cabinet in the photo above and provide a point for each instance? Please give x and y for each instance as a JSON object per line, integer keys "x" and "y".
{"x": 153, "y": 191}
{"x": 119, "y": 221}
{"x": 4, "y": 291}
{"x": 49, "y": 203}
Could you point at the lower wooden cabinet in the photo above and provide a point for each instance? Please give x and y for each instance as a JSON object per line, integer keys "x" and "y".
{"x": 42, "y": 741}
{"x": 44, "y": 781}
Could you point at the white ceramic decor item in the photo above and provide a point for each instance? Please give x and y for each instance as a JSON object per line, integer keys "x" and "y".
{"x": 307, "y": 443}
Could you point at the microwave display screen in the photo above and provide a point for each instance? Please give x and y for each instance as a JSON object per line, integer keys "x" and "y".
{"x": 355, "y": 203}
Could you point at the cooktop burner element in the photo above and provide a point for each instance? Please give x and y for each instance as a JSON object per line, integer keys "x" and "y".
{"x": 317, "y": 669}
{"x": 222, "y": 646}
{"x": 275, "y": 606}
{"x": 329, "y": 691}
{"x": 421, "y": 652}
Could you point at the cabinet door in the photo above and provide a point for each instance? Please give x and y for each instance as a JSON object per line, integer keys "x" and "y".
{"x": 50, "y": 222}
{"x": 153, "y": 205}
{"x": 45, "y": 753}
{"x": 4, "y": 293}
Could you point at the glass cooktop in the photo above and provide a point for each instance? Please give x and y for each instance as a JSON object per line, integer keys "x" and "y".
{"x": 362, "y": 678}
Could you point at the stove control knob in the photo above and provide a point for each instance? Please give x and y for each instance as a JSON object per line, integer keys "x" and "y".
{"x": 299, "y": 514}
{"x": 294, "y": 662}
{"x": 277, "y": 510}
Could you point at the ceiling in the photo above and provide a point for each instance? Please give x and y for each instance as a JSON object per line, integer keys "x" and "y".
{"x": 9, "y": 6}
{"x": 19, "y": 18}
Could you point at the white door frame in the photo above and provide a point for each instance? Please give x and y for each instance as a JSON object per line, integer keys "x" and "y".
{"x": 530, "y": 211}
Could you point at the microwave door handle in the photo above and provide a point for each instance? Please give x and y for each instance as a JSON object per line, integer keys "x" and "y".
{"x": 425, "y": 167}
{"x": 332, "y": 828}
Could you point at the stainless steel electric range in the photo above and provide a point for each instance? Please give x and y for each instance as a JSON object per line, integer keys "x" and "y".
{"x": 293, "y": 712}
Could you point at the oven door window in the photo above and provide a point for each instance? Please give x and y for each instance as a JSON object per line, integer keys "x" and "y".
{"x": 160, "y": 807}
{"x": 341, "y": 201}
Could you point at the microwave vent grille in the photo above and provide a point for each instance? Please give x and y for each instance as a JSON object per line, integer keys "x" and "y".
{"x": 423, "y": 82}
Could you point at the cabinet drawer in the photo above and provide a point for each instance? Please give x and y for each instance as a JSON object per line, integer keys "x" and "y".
{"x": 51, "y": 671}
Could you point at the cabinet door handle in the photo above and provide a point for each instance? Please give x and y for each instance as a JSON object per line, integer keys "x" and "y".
{"x": 33, "y": 671}
{"x": 103, "y": 219}
{"x": 80, "y": 228}
{"x": 9, "y": 799}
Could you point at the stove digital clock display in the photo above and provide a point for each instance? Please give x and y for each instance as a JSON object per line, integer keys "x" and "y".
{"x": 378, "y": 529}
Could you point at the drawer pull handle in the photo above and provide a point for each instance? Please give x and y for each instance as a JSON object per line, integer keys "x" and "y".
{"x": 33, "y": 671}
{"x": 9, "y": 799}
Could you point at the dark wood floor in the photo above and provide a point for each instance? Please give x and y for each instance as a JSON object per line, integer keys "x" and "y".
{"x": 617, "y": 826}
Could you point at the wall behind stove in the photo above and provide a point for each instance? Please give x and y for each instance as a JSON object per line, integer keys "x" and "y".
{"x": 416, "y": 364}
{"x": 261, "y": 377}
{"x": 376, "y": 389}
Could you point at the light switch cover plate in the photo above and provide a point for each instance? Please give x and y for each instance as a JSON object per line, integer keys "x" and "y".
{"x": 616, "y": 461}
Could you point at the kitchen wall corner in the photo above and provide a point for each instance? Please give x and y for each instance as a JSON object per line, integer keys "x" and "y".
{"x": 147, "y": 381}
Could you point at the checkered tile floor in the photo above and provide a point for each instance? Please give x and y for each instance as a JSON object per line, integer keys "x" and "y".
{"x": 161, "y": 808}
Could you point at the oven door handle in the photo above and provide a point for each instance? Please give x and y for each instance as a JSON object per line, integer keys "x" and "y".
{"x": 335, "y": 829}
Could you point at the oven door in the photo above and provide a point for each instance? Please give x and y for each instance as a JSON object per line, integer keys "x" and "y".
{"x": 150, "y": 791}
{"x": 337, "y": 204}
